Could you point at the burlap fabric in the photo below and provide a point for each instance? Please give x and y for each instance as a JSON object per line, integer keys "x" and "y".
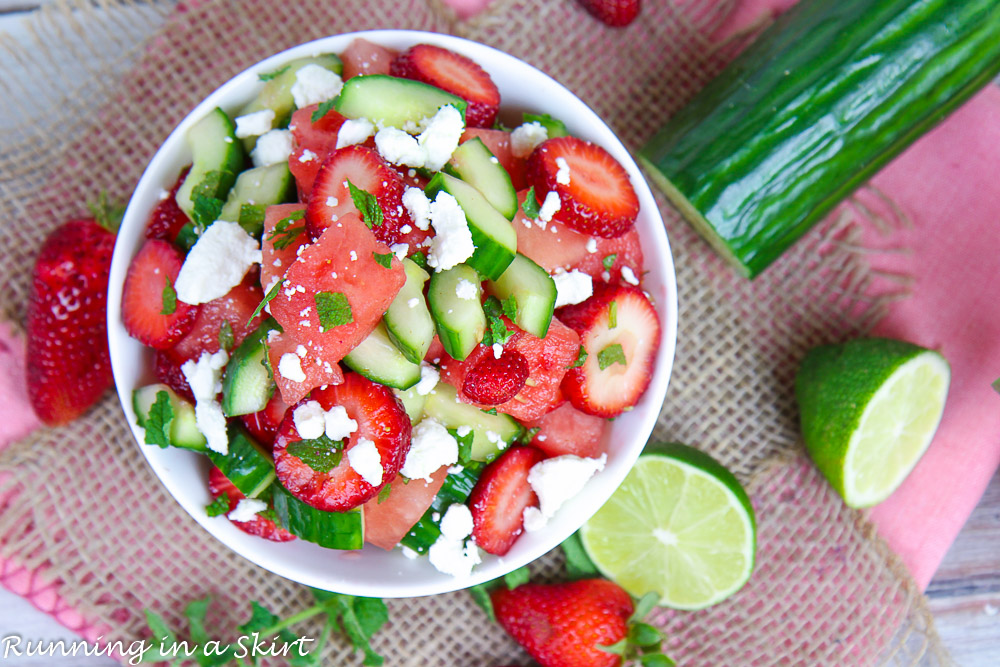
{"x": 81, "y": 504}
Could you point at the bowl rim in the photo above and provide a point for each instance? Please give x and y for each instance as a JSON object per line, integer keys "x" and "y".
{"x": 410, "y": 580}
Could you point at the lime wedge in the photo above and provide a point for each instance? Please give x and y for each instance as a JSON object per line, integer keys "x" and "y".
{"x": 869, "y": 409}
{"x": 680, "y": 525}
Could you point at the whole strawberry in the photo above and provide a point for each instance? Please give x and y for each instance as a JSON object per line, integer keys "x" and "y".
{"x": 615, "y": 13}
{"x": 586, "y": 623}
{"x": 68, "y": 368}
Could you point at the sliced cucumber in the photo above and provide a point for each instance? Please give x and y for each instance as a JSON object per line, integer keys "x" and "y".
{"x": 533, "y": 290}
{"x": 380, "y": 361}
{"x": 492, "y": 233}
{"x": 333, "y": 530}
{"x": 187, "y": 237}
{"x": 461, "y": 323}
{"x": 553, "y": 126}
{"x": 183, "y": 431}
{"x": 248, "y": 465}
{"x": 457, "y": 488}
{"x": 391, "y": 101}
{"x": 217, "y": 157}
{"x": 258, "y": 188}
{"x": 444, "y": 406}
{"x": 248, "y": 385}
{"x": 475, "y": 164}
{"x": 412, "y": 402}
{"x": 408, "y": 321}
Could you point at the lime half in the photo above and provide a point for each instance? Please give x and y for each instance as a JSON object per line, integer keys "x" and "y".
{"x": 869, "y": 409}
{"x": 679, "y": 525}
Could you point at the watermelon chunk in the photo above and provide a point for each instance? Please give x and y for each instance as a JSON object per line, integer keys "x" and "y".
{"x": 388, "y": 521}
{"x": 313, "y": 142}
{"x": 363, "y": 57}
{"x": 317, "y": 371}
{"x": 566, "y": 430}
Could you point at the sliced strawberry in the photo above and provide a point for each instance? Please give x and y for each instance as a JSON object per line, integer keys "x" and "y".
{"x": 499, "y": 498}
{"x": 317, "y": 372}
{"x": 219, "y": 484}
{"x": 388, "y": 520}
{"x": 168, "y": 371}
{"x": 614, "y": 13}
{"x": 365, "y": 169}
{"x": 168, "y": 218}
{"x": 145, "y": 299}
{"x": 498, "y": 141}
{"x": 626, "y": 349}
{"x": 381, "y": 419}
{"x": 364, "y": 57}
{"x": 314, "y": 141}
{"x": 496, "y": 380}
{"x": 599, "y": 198}
{"x": 566, "y": 430}
{"x": 263, "y": 425}
{"x": 235, "y": 307}
{"x": 454, "y": 73}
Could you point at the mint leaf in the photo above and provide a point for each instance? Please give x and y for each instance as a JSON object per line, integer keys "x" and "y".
{"x": 195, "y": 613}
{"x": 226, "y": 338}
{"x": 609, "y": 261}
{"x": 481, "y": 596}
{"x": 384, "y": 493}
{"x": 161, "y": 414}
{"x": 578, "y": 563}
{"x": 321, "y": 454}
{"x": 517, "y": 577}
{"x": 612, "y": 354}
{"x": 271, "y": 293}
{"x": 643, "y": 606}
{"x": 218, "y": 507}
{"x": 267, "y": 76}
{"x": 491, "y": 411}
{"x": 162, "y": 634}
{"x": 251, "y": 214}
{"x": 529, "y": 435}
{"x": 497, "y": 331}
{"x": 581, "y": 358}
{"x": 260, "y": 619}
{"x": 361, "y": 618}
{"x": 554, "y": 126}
{"x": 996, "y": 385}
{"x": 644, "y": 635}
{"x": 333, "y": 309}
{"x": 323, "y": 109}
{"x": 367, "y": 205}
{"x": 384, "y": 260}
{"x": 530, "y": 205}
{"x": 284, "y": 233}
{"x": 206, "y": 210}
{"x": 656, "y": 660}
{"x": 107, "y": 214}
{"x": 420, "y": 259}
{"x": 510, "y": 307}
{"x": 169, "y": 298}
{"x": 613, "y": 314}
{"x": 464, "y": 444}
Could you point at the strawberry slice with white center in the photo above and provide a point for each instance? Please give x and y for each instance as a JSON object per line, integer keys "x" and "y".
{"x": 151, "y": 311}
{"x": 595, "y": 194}
{"x": 454, "y": 73}
{"x": 499, "y": 498}
{"x": 365, "y": 169}
{"x": 620, "y": 331}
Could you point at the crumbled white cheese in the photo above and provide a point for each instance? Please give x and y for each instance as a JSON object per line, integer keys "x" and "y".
{"x": 453, "y": 557}
{"x": 314, "y": 84}
{"x": 354, "y": 255}
{"x": 456, "y": 524}
{"x": 354, "y": 131}
{"x": 431, "y": 446}
{"x": 338, "y": 426}
{"x": 272, "y": 147}
{"x": 290, "y": 368}
{"x": 307, "y": 156}
{"x": 429, "y": 377}
{"x": 629, "y": 276}
{"x": 440, "y": 139}
{"x": 549, "y": 207}
{"x": 463, "y": 430}
{"x": 418, "y": 206}
{"x": 562, "y": 174}
{"x": 452, "y": 242}
{"x": 211, "y": 421}
{"x": 204, "y": 375}
{"x": 310, "y": 420}
{"x": 592, "y": 245}
{"x": 555, "y": 481}
{"x": 247, "y": 509}
{"x": 467, "y": 290}
{"x": 526, "y": 137}
{"x": 497, "y": 350}
{"x": 217, "y": 263}
{"x": 254, "y": 124}
{"x": 398, "y": 147}
{"x": 400, "y": 250}
{"x": 573, "y": 287}
{"x": 413, "y": 302}
{"x": 533, "y": 519}
{"x": 364, "y": 457}
{"x": 405, "y": 229}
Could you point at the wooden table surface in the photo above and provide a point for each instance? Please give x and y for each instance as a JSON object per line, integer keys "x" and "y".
{"x": 964, "y": 595}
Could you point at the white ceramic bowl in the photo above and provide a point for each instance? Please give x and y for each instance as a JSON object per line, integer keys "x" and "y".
{"x": 372, "y": 571}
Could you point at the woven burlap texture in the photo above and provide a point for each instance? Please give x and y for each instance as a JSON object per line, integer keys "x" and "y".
{"x": 81, "y": 505}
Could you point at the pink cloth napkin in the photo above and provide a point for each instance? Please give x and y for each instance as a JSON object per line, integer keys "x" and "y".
{"x": 946, "y": 185}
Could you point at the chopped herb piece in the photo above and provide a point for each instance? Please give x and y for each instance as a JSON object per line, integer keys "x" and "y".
{"x": 497, "y": 331}
{"x": 323, "y": 110}
{"x": 284, "y": 233}
{"x": 107, "y": 214}
{"x": 384, "y": 493}
{"x": 510, "y": 307}
{"x": 169, "y": 298}
{"x": 321, "y": 454}
{"x": 206, "y": 211}
{"x": 613, "y": 314}
{"x": 226, "y": 338}
{"x": 464, "y": 445}
{"x": 548, "y": 122}
{"x": 530, "y": 205}
{"x": 481, "y": 596}
{"x": 218, "y": 506}
{"x": 581, "y": 358}
{"x": 517, "y": 577}
{"x": 578, "y": 563}
{"x": 529, "y": 435}
{"x": 612, "y": 354}
{"x": 273, "y": 292}
{"x": 366, "y": 203}
{"x": 609, "y": 261}
{"x": 420, "y": 259}
{"x": 491, "y": 411}
{"x": 161, "y": 414}
{"x": 384, "y": 260}
{"x": 251, "y": 214}
{"x": 333, "y": 310}
{"x": 267, "y": 76}
{"x": 996, "y": 385}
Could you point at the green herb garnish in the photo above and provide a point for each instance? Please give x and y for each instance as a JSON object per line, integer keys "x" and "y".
{"x": 267, "y": 76}
{"x": 321, "y": 454}
{"x": 367, "y": 205}
{"x": 383, "y": 259}
{"x": 333, "y": 309}
{"x": 271, "y": 293}
{"x": 169, "y": 298}
{"x": 323, "y": 109}
{"x": 609, "y": 261}
{"x": 581, "y": 358}
{"x": 284, "y": 232}
{"x": 530, "y": 205}
{"x": 218, "y": 507}
{"x": 612, "y": 354}
{"x": 161, "y": 414}
{"x": 226, "y": 338}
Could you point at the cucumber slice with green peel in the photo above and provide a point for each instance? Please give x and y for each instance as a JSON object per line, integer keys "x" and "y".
{"x": 461, "y": 323}
{"x": 183, "y": 430}
{"x": 475, "y": 164}
{"x": 457, "y": 488}
{"x": 491, "y": 433}
{"x": 533, "y": 290}
{"x": 248, "y": 384}
{"x": 412, "y": 402}
{"x": 187, "y": 237}
{"x": 553, "y": 126}
{"x": 492, "y": 233}
{"x": 389, "y": 101}
{"x": 333, "y": 530}
{"x": 217, "y": 157}
{"x": 248, "y": 464}
{"x": 379, "y": 360}
{"x": 407, "y": 321}
{"x": 257, "y": 189}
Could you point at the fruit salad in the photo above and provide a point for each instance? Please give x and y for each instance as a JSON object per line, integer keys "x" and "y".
{"x": 386, "y": 317}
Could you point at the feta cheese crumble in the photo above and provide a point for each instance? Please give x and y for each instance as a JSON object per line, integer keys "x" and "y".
{"x": 555, "y": 481}
{"x": 354, "y": 131}
{"x": 365, "y": 459}
{"x": 456, "y": 524}
{"x": 418, "y": 206}
{"x": 254, "y": 124}
{"x": 204, "y": 377}
{"x": 398, "y": 147}
{"x": 440, "y": 139}
{"x": 431, "y": 446}
{"x": 314, "y": 84}
{"x": 452, "y": 243}
{"x": 562, "y": 174}
{"x": 549, "y": 207}
{"x": 451, "y": 553}
{"x": 629, "y": 276}
{"x": 272, "y": 147}
{"x": 217, "y": 263}
{"x": 309, "y": 419}
{"x": 573, "y": 287}
{"x": 429, "y": 377}
{"x": 247, "y": 509}
{"x": 338, "y": 426}
{"x": 290, "y": 367}
{"x": 592, "y": 245}
{"x": 497, "y": 350}
{"x": 466, "y": 290}
{"x": 526, "y": 137}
